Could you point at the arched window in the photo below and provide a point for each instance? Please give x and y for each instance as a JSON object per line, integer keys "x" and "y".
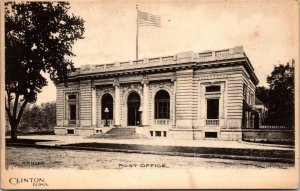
{"x": 162, "y": 105}
{"x": 107, "y": 102}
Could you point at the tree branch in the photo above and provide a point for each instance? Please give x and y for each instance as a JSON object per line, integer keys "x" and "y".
{"x": 21, "y": 111}
{"x": 8, "y": 114}
{"x": 8, "y": 99}
{"x": 15, "y": 106}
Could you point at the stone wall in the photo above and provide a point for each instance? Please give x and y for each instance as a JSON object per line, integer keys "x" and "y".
{"x": 184, "y": 99}
{"x": 61, "y": 93}
{"x": 269, "y": 135}
{"x": 85, "y": 103}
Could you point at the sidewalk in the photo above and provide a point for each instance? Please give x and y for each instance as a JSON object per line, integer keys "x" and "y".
{"x": 57, "y": 140}
{"x": 189, "y": 148}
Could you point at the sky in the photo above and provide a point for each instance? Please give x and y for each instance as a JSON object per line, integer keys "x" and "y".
{"x": 268, "y": 31}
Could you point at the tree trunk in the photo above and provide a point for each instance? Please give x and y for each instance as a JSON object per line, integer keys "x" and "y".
{"x": 14, "y": 131}
{"x": 15, "y": 118}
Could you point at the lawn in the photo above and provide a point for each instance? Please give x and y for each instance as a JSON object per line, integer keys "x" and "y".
{"x": 26, "y": 157}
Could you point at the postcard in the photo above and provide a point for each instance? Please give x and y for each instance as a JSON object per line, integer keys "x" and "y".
{"x": 150, "y": 94}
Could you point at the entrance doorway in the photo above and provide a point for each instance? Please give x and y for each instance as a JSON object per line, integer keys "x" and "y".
{"x": 133, "y": 105}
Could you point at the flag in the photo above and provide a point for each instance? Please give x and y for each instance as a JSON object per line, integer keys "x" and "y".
{"x": 147, "y": 19}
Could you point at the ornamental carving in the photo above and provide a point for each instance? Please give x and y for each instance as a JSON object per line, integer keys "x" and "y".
{"x": 116, "y": 82}
{"x": 216, "y": 76}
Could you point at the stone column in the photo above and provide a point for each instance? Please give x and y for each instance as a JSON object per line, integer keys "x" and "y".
{"x": 221, "y": 106}
{"x": 117, "y": 104}
{"x": 174, "y": 102}
{"x": 145, "y": 114}
{"x": 94, "y": 107}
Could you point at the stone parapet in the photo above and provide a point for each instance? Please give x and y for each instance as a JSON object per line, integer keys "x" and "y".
{"x": 183, "y": 57}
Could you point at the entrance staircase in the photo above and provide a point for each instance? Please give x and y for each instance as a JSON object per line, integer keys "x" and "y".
{"x": 120, "y": 133}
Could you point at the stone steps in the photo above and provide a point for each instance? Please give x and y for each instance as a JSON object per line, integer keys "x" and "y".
{"x": 115, "y": 136}
{"x": 122, "y": 131}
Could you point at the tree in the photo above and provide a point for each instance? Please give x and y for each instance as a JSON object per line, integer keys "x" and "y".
{"x": 262, "y": 93}
{"x": 38, "y": 118}
{"x": 38, "y": 39}
{"x": 49, "y": 115}
{"x": 282, "y": 95}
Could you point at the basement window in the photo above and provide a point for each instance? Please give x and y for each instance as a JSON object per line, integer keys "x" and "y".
{"x": 70, "y": 131}
{"x": 151, "y": 133}
{"x": 211, "y": 135}
{"x": 165, "y": 133}
{"x": 158, "y": 133}
{"x": 98, "y": 131}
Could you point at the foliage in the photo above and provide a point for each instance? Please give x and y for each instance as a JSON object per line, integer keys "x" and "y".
{"x": 38, "y": 118}
{"x": 38, "y": 39}
{"x": 281, "y": 96}
{"x": 262, "y": 93}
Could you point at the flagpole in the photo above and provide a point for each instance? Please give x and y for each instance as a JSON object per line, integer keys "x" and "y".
{"x": 137, "y": 33}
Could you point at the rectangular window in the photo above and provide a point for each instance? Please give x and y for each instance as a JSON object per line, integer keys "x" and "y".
{"x": 72, "y": 112}
{"x": 70, "y": 131}
{"x": 213, "y": 109}
{"x": 72, "y": 97}
{"x": 165, "y": 133}
{"x": 211, "y": 135}
{"x": 151, "y": 133}
{"x": 213, "y": 89}
{"x": 162, "y": 110}
{"x": 158, "y": 133}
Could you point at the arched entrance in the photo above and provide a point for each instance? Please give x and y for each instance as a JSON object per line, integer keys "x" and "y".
{"x": 133, "y": 105}
{"x": 107, "y": 102}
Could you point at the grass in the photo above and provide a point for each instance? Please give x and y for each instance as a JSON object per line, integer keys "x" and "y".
{"x": 26, "y": 141}
{"x": 199, "y": 150}
{"x": 37, "y": 158}
{"x": 7, "y": 133}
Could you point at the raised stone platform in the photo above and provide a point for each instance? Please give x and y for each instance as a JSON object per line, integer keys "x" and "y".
{"x": 120, "y": 133}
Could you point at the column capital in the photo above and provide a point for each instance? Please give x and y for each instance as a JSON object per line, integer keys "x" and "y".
{"x": 173, "y": 79}
{"x": 145, "y": 81}
{"x": 116, "y": 83}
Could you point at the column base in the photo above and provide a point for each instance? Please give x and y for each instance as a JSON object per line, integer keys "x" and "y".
{"x": 117, "y": 126}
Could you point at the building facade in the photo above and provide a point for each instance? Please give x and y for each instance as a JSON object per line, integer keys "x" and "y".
{"x": 206, "y": 95}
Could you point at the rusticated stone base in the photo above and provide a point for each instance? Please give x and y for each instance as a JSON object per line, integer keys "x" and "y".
{"x": 198, "y": 134}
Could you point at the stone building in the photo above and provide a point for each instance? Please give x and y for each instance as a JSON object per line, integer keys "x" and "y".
{"x": 261, "y": 109}
{"x": 206, "y": 95}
